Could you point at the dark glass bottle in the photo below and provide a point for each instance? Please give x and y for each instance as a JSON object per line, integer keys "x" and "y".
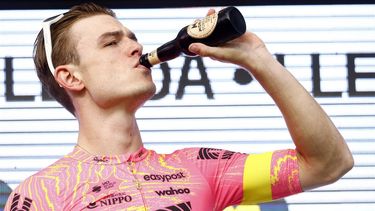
{"x": 213, "y": 30}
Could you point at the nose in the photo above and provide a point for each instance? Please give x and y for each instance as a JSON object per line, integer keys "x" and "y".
{"x": 135, "y": 49}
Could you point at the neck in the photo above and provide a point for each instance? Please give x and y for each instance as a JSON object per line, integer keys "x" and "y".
{"x": 110, "y": 133}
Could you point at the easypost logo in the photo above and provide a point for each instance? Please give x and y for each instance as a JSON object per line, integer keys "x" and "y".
{"x": 165, "y": 177}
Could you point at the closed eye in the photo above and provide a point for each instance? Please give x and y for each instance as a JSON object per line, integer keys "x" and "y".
{"x": 110, "y": 38}
{"x": 111, "y": 43}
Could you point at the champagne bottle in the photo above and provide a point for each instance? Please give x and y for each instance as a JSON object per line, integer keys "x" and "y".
{"x": 213, "y": 30}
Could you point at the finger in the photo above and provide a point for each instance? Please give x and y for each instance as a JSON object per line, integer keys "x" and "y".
{"x": 210, "y": 11}
{"x": 216, "y": 53}
{"x": 201, "y": 49}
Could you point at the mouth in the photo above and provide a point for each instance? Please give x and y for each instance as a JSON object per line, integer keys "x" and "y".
{"x": 140, "y": 66}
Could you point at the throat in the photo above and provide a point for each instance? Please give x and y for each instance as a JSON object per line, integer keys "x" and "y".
{"x": 109, "y": 132}
{"x": 112, "y": 144}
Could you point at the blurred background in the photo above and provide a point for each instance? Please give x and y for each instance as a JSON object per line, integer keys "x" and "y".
{"x": 328, "y": 46}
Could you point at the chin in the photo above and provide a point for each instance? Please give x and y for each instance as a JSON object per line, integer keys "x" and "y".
{"x": 145, "y": 93}
{"x": 151, "y": 91}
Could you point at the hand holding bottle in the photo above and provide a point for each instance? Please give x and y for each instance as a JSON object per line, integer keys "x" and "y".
{"x": 248, "y": 51}
{"x": 213, "y": 30}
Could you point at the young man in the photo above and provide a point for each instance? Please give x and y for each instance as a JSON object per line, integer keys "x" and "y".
{"x": 93, "y": 70}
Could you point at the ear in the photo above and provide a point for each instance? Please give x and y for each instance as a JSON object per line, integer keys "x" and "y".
{"x": 68, "y": 77}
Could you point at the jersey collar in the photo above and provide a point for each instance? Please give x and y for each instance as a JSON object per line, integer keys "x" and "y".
{"x": 83, "y": 156}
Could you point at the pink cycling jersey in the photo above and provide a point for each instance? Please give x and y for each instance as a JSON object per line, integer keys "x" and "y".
{"x": 197, "y": 179}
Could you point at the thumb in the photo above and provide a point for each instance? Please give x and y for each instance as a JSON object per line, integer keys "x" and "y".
{"x": 214, "y": 53}
{"x": 201, "y": 49}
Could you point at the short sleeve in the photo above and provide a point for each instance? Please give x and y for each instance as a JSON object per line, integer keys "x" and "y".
{"x": 35, "y": 193}
{"x": 238, "y": 178}
{"x": 223, "y": 171}
{"x": 270, "y": 176}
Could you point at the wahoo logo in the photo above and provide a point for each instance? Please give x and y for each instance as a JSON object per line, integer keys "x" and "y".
{"x": 25, "y": 205}
{"x": 186, "y": 206}
{"x": 213, "y": 154}
{"x": 172, "y": 191}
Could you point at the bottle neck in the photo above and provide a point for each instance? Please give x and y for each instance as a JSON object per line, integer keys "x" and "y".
{"x": 166, "y": 52}
{"x": 169, "y": 51}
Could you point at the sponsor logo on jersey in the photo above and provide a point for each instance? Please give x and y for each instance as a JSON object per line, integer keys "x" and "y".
{"x": 107, "y": 185}
{"x": 96, "y": 188}
{"x": 171, "y": 191}
{"x": 103, "y": 159}
{"x": 110, "y": 200}
{"x": 186, "y": 206}
{"x": 25, "y": 205}
{"x": 165, "y": 177}
{"x": 214, "y": 154}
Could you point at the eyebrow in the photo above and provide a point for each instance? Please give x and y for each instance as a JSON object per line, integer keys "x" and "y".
{"x": 132, "y": 36}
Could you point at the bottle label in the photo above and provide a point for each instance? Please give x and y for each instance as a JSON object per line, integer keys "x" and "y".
{"x": 204, "y": 27}
{"x": 153, "y": 58}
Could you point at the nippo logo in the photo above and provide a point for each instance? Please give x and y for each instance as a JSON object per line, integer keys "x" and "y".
{"x": 113, "y": 199}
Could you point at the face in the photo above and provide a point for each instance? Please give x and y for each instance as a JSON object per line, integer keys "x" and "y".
{"x": 109, "y": 63}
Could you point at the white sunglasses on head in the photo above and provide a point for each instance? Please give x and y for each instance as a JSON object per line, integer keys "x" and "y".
{"x": 48, "y": 40}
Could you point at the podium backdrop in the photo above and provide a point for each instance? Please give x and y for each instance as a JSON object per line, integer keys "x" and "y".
{"x": 329, "y": 48}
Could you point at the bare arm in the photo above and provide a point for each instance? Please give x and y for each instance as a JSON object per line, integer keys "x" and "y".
{"x": 323, "y": 155}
